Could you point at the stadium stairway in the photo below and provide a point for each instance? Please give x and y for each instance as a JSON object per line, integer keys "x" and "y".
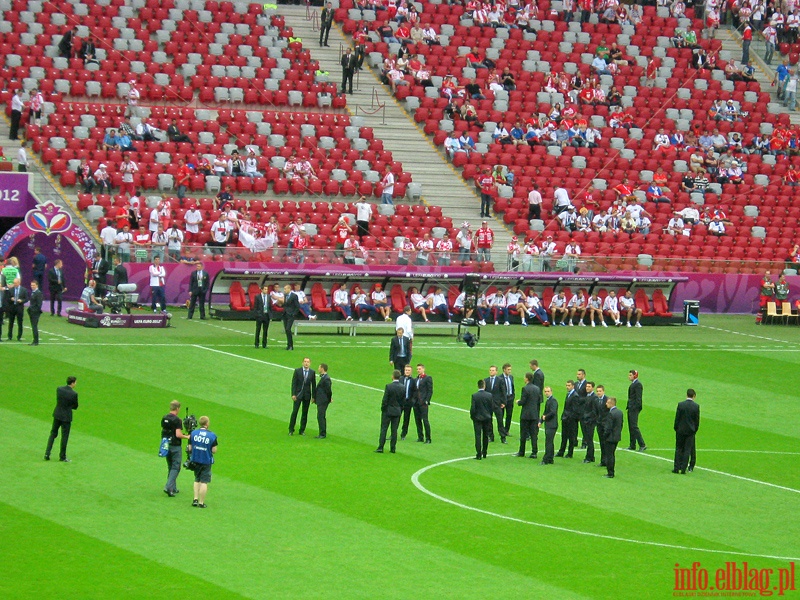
{"x": 442, "y": 185}
{"x": 732, "y": 45}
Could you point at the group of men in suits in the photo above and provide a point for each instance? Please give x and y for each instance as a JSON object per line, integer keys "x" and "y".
{"x": 263, "y": 311}
{"x": 404, "y": 395}
{"x": 14, "y": 298}
{"x": 305, "y": 390}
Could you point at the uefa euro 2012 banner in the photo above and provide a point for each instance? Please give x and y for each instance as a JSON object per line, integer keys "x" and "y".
{"x": 15, "y": 197}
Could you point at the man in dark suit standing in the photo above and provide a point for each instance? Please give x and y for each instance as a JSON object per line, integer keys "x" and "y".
{"x": 66, "y": 402}
{"x": 508, "y": 409}
{"x": 634, "y": 407}
{"x": 100, "y": 268}
{"x": 569, "y": 422}
{"x": 348, "y": 69}
{"x": 613, "y": 428}
{"x": 322, "y": 398}
{"x": 120, "y": 273}
{"x": 589, "y": 417}
{"x": 291, "y": 309}
{"x": 422, "y": 403}
{"x": 391, "y": 408}
{"x": 580, "y": 391}
{"x": 496, "y": 386}
{"x": 14, "y": 302}
{"x": 409, "y": 383}
{"x": 549, "y": 421}
{"x": 304, "y": 387}
{"x": 538, "y": 374}
{"x": 602, "y": 411}
{"x": 262, "y": 308}
{"x": 35, "y": 311}
{"x": 325, "y": 22}
{"x": 530, "y": 402}
{"x": 198, "y": 288}
{"x": 56, "y": 281}
{"x": 480, "y": 412}
{"x": 687, "y": 423}
{"x": 399, "y": 353}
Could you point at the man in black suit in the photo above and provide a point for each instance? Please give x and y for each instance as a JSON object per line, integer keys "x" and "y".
{"x": 409, "y": 383}
{"x": 549, "y": 421}
{"x": 325, "y": 23}
{"x": 589, "y": 417}
{"x": 262, "y": 307}
{"x": 323, "y": 396}
{"x": 198, "y": 288}
{"x": 538, "y": 374}
{"x": 687, "y": 422}
{"x": 14, "y": 301}
{"x": 422, "y": 403}
{"x": 613, "y": 428}
{"x": 304, "y": 387}
{"x": 569, "y": 421}
{"x": 348, "y": 62}
{"x": 100, "y": 268}
{"x": 508, "y": 409}
{"x": 66, "y": 402}
{"x": 120, "y": 273}
{"x": 602, "y": 411}
{"x": 480, "y": 412}
{"x": 35, "y": 311}
{"x": 291, "y": 309}
{"x": 530, "y": 401}
{"x": 634, "y": 407}
{"x": 496, "y": 386}
{"x": 57, "y": 282}
{"x": 580, "y": 391}
{"x": 391, "y": 408}
{"x": 399, "y": 351}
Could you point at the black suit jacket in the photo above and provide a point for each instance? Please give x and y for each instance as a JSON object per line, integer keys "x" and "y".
{"x": 326, "y": 19}
{"x": 613, "y": 425}
{"x": 323, "y": 393}
{"x": 304, "y": 388}
{"x": 100, "y": 269}
{"x": 394, "y": 348}
{"x": 200, "y": 288}
{"x": 602, "y": 411}
{"x": 120, "y": 275}
{"x": 481, "y": 407}
{"x": 393, "y": 399}
{"x": 510, "y": 393}
{"x": 570, "y": 407}
{"x": 687, "y": 417}
{"x": 580, "y": 388}
{"x": 412, "y": 389}
{"x": 35, "y": 307}
{"x": 424, "y": 389}
{"x": 634, "y": 396}
{"x": 291, "y": 307}
{"x": 550, "y": 414}
{"x": 538, "y": 379}
{"x": 530, "y": 402}
{"x": 8, "y": 299}
{"x": 259, "y": 310}
{"x": 498, "y": 392}
{"x": 591, "y": 409}
{"x": 348, "y": 61}
{"x": 52, "y": 279}
{"x": 66, "y": 402}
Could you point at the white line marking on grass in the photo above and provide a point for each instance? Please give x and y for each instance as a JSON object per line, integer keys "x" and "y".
{"x": 758, "y": 337}
{"x": 729, "y": 450}
{"x": 203, "y": 322}
{"x": 66, "y": 337}
{"x": 415, "y": 480}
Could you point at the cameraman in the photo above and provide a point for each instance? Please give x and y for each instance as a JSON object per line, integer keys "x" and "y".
{"x": 171, "y": 427}
{"x": 203, "y": 444}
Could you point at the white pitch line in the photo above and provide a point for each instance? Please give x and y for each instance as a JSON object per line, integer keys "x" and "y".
{"x": 415, "y": 480}
{"x": 66, "y": 337}
{"x": 758, "y": 337}
{"x": 729, "y": 450}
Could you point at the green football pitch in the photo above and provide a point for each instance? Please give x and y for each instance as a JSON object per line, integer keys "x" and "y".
{"x": 297, "y": 517}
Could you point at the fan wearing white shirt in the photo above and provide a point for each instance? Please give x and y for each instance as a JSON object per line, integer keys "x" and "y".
{"x": 158, "y": 276}
{"x": 444, "y": 247}
{"x": 627, "y": 305}
{"x": 558, "y": 307}
{"x": 577, "y": 304}
{"x": 420, "y": 303}
{"x": 363, "y": 216}
{"x": 192, "y": 218}
{"x": 611, "y": 308}
{"x": 440, "y": 303}
{"x": 341, "y": 302}
{"x": 381, "y": 303}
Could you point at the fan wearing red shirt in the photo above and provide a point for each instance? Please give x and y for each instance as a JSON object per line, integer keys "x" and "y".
{"x": 484, "y": 240}
{"x": 301, "y": 245}
{"x": 624, "y": 191}
{"x": 183, "y": 177}
{"x": 486, "y": 183}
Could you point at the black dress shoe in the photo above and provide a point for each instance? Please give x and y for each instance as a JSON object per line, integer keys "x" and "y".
{"x": 560, "y": 455}
{"x": 64, "y": 460}
{"x": 33, "y": 344}
{"x": 171, "y": 494}
{"x": 532, "y": 456}
{"x": 690, "y": 469}
{"x": 427, "y": 441}
{"x": 543, "y": 463}
{"x": 503, "y": 440}
{"x": 420, "y": 440}
{"x": 519, "y": 454}
{"x": 568, "y": 456}
{"x": 47, "y": 457}
{"x": 303, "y": 433}
{"x": 607, "y": 476}
{"x": 291, "y": 433}
{"x": 631, "y": 448}
{"x": 378, "y": 450}
{"x": 586, "y": 460}
{"x": 402, "y": 438}
{"x": 675, "y": 471}
{"x": 393, "y": 451}
{"x": 643, "y": 448}
{"x": 683, "y": 472}
{"x": 319, "y": 437}
{"x": 484, "y": 456}
{"x": 478, "y": 457}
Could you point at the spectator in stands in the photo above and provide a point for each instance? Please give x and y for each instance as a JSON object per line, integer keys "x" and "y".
{"x": 444, "y": 247}
{"x": 501, "y": 134}
{"x": 790, "y": 91}
{"x": 600, "y": 66}
{"x": 129, "y": 169}
{"x": 174, "y": 134}
{"x": 561, "y": 201}
{"x": 547, "y": 251}
{"x": 628, "y": 224}
{"x": 193, "y": 219}
{"x": 716, "y": 227}
{"x": 124, "y": 141}
{"x": 701, "y": 182}
{"x": 88, "y": 52}
{"x": 133, "y": 100}
{"x": 627, "y": 307}
{"x": 568, "y": 219}
{"x": 675, "y": 225}
{"x": 220, "y": 235}
{"x": 572, "y": 253}
{"x": 484, "y": 240}
{"x": 405, "y": 251}
{"x": 452, "y": 146}
{"x": 235, "y": 165}
{"x": 174, "y": 241}
{"x": 202, "y": 166}
{"x": 351, "y": 247}
{"x": 220, "y": 166}
{"x": 110, "y": 141}
{"x": 251, "y": 166}
{"x": 145, "y": 131}
{"x": 85, "y": 176}
{"x": 464, "y": 239}
{"x": 624, "y": 191}
{"x": 158, "y": 240}
{"x": 470, "y": 114}
{"x": 142, "y": 239}
{"x": 655, "y": 193}
{"x": 476, "y": 60}
{"x": 102, "y": 179}
{"x": 223, "y": 199}
{"x": 793, "y": 260}
{"x": 387, "y": 186}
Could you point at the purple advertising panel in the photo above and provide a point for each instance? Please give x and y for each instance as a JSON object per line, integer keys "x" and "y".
{"x": 15, "y": 198}
{"x": 79, "y": 317}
